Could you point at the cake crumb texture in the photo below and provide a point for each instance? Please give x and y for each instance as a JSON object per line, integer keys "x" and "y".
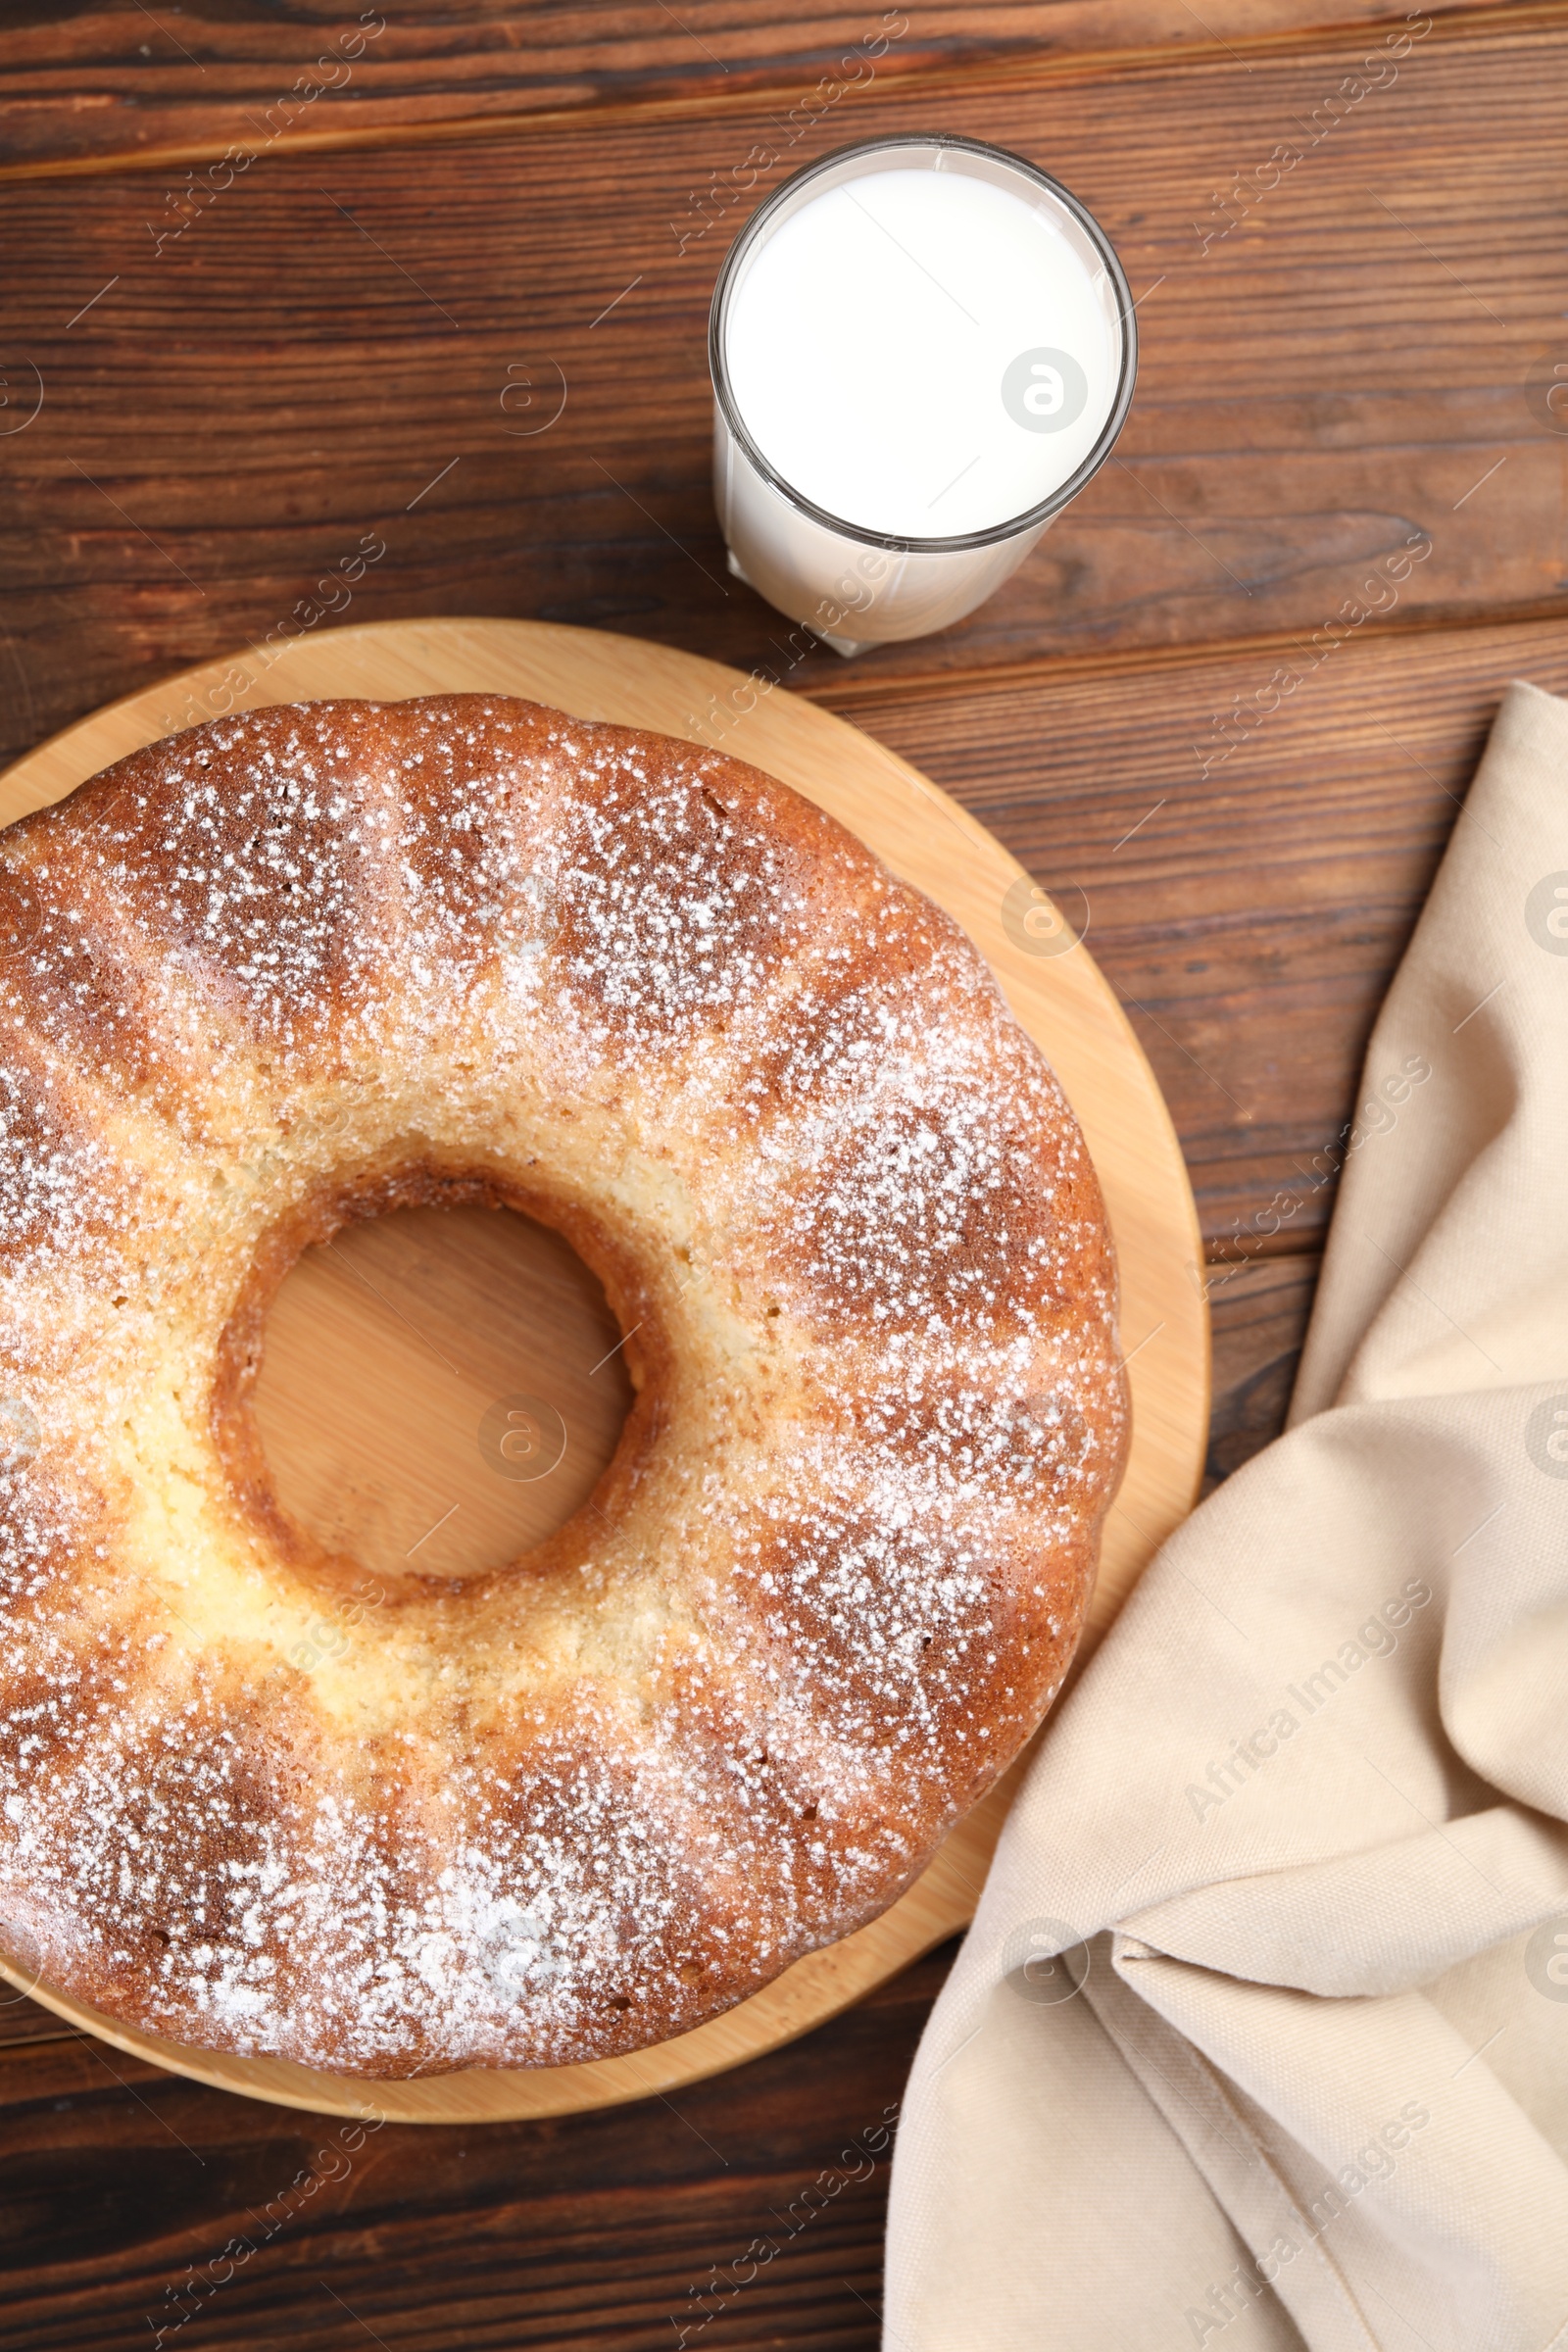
{"x": 325, "y": 961}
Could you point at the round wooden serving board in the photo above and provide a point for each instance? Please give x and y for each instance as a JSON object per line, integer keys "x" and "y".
{"x": 1060, "y": 996}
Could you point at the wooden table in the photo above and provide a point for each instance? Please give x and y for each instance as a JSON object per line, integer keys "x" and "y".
{"x": 267, "y": 313}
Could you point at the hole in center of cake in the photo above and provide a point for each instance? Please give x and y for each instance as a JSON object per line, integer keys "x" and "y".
{"x": 441, "y": 1389}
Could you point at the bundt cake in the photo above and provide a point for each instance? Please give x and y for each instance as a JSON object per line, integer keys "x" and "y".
{"x": 315, "y": 963}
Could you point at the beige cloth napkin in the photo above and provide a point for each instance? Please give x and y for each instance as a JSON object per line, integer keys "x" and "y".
{"x": 1306, "y": 1809}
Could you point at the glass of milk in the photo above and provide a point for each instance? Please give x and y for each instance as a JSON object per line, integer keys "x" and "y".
{"x": 921, "y": 348}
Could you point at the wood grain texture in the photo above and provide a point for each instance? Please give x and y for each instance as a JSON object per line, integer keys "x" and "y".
{"x": 1259, "y": 1315}
{"x": 344, "y": 1448}
{"x": 113, "y": 80}
{"x": 339, "y": 391}
{"x": 1250, "y": 918}
{"x": 388, "y": 1350}
{"x": 589, "y": 2231}
{"x": 25, "y": 2020}
{"x": 1321, "y": 377}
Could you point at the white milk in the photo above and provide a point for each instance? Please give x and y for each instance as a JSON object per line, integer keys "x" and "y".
{"x": 922, "y": 342}
{"x": 869, "y": 345}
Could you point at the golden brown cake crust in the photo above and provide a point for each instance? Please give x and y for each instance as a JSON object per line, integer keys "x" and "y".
{"x": 317, "y": 961}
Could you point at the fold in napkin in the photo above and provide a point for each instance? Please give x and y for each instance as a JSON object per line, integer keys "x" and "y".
{"x": 1304, "y": 2072}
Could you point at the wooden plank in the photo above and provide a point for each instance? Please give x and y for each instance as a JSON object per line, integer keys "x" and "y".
{"x": 66, "y": 2065}
{"x": 1250, "y": 918}
{"x": 1318, "y": 379}
{"x": 232, "y": 428}
{"x": 116, "y": 81}
{"x": 1259, "y": 1315}
{"x": 589, "y": 2230}
{"x": 22, "y": 2020}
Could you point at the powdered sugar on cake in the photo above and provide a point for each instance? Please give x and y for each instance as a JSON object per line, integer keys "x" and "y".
{"x": 335, "y": 957}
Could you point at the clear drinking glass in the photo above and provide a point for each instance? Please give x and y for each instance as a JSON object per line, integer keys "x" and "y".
{"x": 855, "y": 586}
